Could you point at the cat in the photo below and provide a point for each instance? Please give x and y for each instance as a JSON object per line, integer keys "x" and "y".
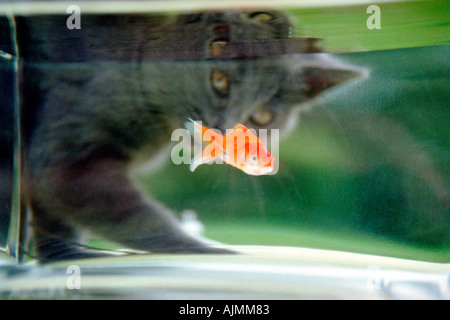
{"x": 100, "y": 101}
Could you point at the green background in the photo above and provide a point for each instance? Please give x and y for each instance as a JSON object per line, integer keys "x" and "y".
{"x": 404, "y": 24}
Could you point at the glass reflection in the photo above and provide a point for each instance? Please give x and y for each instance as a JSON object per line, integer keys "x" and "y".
{"x": 100, "y": 101}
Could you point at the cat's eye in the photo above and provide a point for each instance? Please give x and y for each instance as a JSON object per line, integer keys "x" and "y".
{"x": 221, "y": 38}
{"x": 261, "y": 117}
{"x": 262, "y": 17}
{"x": 220, "y": 83}
{"x": 216, "y": 46}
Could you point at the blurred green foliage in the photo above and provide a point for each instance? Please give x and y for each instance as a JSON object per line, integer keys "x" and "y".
{"x": 404, "y": 24}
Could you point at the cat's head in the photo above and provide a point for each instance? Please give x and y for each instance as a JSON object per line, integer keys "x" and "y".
{"x": 266, "y": 91}
{"x": 259, "y": 93}
{"x": 269, "y": 93}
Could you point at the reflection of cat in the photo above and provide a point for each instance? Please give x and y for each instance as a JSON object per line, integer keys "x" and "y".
{"x": 87, "y": 123}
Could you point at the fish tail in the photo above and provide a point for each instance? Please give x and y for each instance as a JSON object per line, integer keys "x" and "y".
{"x": 192, "y": 126}
{"x": 195, "y": 162}
{"x": 196, "y": 130}
{"x": 211, "y": 151}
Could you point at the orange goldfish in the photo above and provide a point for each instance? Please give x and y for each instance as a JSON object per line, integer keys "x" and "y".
{"x": 239, "y": 148}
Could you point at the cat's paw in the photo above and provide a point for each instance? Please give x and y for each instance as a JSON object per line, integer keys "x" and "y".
{"x": 61, "y": 251}
{"x": 178, "y": 243}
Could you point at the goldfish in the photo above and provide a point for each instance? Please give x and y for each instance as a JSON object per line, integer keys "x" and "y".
{"x": 239, "y": 148}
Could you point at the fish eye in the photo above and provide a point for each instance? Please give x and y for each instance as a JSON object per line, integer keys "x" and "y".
{"x": 261, "y": 117}
{"x": 220, "y": 83}
{"x": 254, "y": 158}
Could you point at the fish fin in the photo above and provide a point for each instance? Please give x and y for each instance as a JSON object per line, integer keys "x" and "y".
{"x": 195, "y": 162}
{"x": 199, "y": 160}
{"x": 189, "y": 126}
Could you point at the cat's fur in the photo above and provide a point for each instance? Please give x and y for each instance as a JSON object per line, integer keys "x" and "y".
{"x": 94, "y": 108}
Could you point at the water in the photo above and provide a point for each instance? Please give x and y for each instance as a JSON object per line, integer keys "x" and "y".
{"x": 372, "y": 166}
{"x": 364, "y": 170}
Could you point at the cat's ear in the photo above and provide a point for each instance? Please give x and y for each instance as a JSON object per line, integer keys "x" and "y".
{"x": 315, "y": 74}
{"x": 318, "y": 79}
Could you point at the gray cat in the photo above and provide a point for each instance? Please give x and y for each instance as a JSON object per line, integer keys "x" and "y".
{"x": 99, "y": 101}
